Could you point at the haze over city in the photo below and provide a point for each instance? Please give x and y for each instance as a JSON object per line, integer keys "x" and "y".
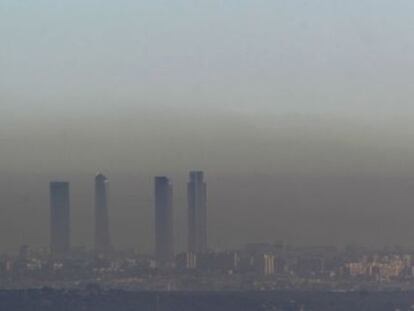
{"x": 299, "y": 112}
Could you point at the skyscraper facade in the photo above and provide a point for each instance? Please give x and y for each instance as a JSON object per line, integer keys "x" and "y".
{"x": 197, "y": 213}
{"x": 102, "y": 235}
{"x": 59, "y": 218}
{"x": 164, "y": 230}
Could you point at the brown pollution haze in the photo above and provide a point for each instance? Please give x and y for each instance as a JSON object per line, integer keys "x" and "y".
{"x": 299, "y": 178}
{"x": 299, "y": 112}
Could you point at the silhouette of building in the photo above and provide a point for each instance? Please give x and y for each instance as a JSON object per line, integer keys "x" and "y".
{"x": 164, "y": 235}
{"x": 197, "y": 213}
{"x": 59, "y": 218}
{"x": 102, "y": 235}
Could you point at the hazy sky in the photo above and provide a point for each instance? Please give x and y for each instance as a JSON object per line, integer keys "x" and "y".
{"x": 241, "y": 89}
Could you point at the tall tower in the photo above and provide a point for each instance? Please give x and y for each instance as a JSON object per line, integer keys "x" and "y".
{"x": 164, "y": 229}
{"x": 102, "y": 237}
{"x": 59, "y": 218}
{"x": 197, "y": 213}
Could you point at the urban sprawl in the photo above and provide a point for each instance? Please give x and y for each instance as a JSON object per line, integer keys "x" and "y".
{"x": 256, "y": 266}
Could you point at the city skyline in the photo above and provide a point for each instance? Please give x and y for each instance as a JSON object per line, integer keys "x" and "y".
{"x": 164, "y": 249}
{"x": 207, "y": 155}
{"x": 141, "y": 211}
{"x": 299, "y": 111}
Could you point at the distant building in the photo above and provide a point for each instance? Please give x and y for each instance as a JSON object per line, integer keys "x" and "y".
{"x": 164, "y": 230}
{"x": 102, "y": 235}
{"x": 197, "y": 213}
{"x": 59, "y": 218}
{"x": 220, "y": 262}
{"x": 186, "y": 261}
{"x": 268, "y": 264}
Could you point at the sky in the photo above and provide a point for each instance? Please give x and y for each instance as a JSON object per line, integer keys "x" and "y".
{"x": 300, "y": 96}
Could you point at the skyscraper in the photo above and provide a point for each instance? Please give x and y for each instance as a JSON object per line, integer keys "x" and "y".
{"x": 59, "y": 218}
{"x": 102, "y": 237}
{"x": 164, "y": 229}
{"x": 197, "y": 213}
